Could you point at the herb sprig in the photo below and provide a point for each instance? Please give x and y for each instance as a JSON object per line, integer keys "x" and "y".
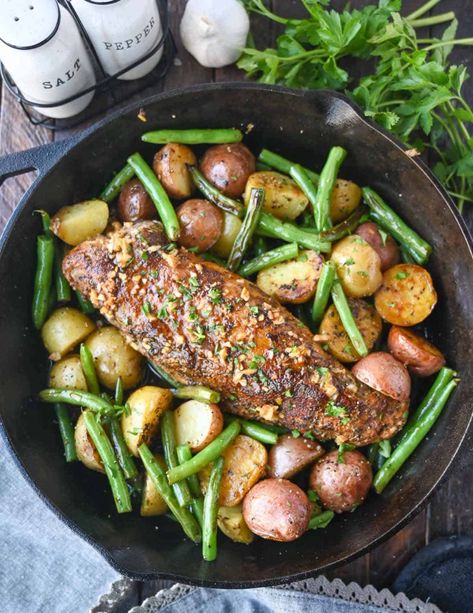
{"x": 413, "y": 90}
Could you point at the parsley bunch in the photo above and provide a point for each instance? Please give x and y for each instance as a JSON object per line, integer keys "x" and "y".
{"x": 412, "y": 90}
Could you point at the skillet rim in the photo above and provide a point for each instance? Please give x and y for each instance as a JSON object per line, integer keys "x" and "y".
{"x": 155, "y": 99}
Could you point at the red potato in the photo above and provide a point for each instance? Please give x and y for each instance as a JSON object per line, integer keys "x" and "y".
{"x": 384, "y": 244}
{"x": 134, "y": 203}
{"x": 421, "y": 357}
{"x": 228, "y": 167}
{"x": 277, "y": 509}
{"x": 290, "y": 455}
{"x": 342, "y": 481}
{"x": 170, "y": 165}
{"x": 382, "y": 372}
{"x": 201, "y": 224}
{"x": 197, "y": 424}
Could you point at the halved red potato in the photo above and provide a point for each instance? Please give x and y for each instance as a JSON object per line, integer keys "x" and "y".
{"x": 382, "y": 372}
{"x": 291, "y": 455}
{"x": 197, "y": 424}
{"x": 384, "y": 244}
{"x": 85, "y": 448}
{"x": 170, "y": 165}
{"x": 420, "y": 356}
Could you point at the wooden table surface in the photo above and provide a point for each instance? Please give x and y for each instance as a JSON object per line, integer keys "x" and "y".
{"x": 450, "y": 510}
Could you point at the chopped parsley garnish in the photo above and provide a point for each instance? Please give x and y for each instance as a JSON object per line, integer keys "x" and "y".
{"x": 146, "y": 308}
{"x": 254, "y": 310}
{"x": 341, "y": 450}
{"x": 362, "y": 273}
{"x": 288, "y": 394}
{"x": 144, "y": 255}
{"x": 262, "y": 377}
{"x": 194, "y": 283}
{"x": 295, "y": 433}
{"x": 335, "y": 410}
{"x": 309, "y": 435}
{"x": 232, "y": 397}
{"x": 385, "y": 448}
{"x": 154, "y": 274}
{"x": 257, "y": 359}
{"x": 322, "y": 370}
{"x": 215, "y": 295}
{"x": 199, "y": 334}
{"x": 349, "y": 262}
{"x": 163, "y": 313}
{"x": 402, "y": 274}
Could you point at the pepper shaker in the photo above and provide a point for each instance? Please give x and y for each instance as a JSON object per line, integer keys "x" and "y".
{"x": 44, "y": 54}
{"x": 122, "y": 31}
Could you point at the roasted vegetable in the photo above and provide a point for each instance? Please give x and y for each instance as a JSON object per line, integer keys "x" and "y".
{"x": 290, "y": 455}
{"x": 114, "y": 358}
{"x": 231, "y": 522}
{"x": 282, "y": 197}
{"x": 68, "y": 374}
{"x": 358, "y": 266}
{"x": 201, "y": 224}
{"x": 140, "y": 422}
{"x": 197, "y": 424}
{"x": 152, "y": 503}
{"x": 332, "y": 331}
{"x": 384, "y": 373}
{"x": 134, "y": 203}
{"x": 384, "y": 244}
{"x": 231, "y": 228}
{"x": 245, "y": 463}
{"x": 407, "y": 295}
{"x": 293, "y": 281}
{"x": 78, "y": 222}
{"x": 346, "y": 196}
{"x": 421, "y": 357}
{"x": 170, "y": 165}
{"x": 86, "y": 451}
{"x": 341, "y": 480}
{"x": 277, "y": 509}
{"x": 65, "y": 329}
{"x": 228, "y": 167}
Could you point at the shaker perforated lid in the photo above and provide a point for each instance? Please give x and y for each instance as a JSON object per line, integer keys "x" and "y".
{"x": 25, "y": 24}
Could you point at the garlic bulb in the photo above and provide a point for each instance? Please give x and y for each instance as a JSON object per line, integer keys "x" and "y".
{"x": 214, "y": 31}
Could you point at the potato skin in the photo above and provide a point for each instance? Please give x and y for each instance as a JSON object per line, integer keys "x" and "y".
{"x": 291, "y": 455}
{"x": 231, "y": 227}
{"x": 115, "y": 358}
{"x": 244, "y": 464}
{"x": 369, "y": 324}
{"x": 346, "y": 196}
{"x": 358, "y": 266}
{"x": 421, "y": 357}
{"x": 197, "y": 424}
{"x": 294, "y": 281}
{"x": 201, "y": 224}
{"x": 231, "y": 522}
{"x": 152, "y": 503}
{"x": 381, "y": 371}
{"x": 78, "y": 222}
{"x": 341, "y": 486}
{"x": 228, "y": 167}
{"x": 86, "y": 451}
{"x": 277, "y": 509}
{"x": 388, "y": 250}
{"x": 64, "y": 329}
{"x": 68, "y": 374}
{"x": 134, "y": 203}
{"x": 282, "y": 197}
{"x": 170, "y": 166}
{"x": 406, "y": 296}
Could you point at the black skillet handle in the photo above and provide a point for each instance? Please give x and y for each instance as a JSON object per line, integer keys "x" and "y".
{"x": 38, "y": 159}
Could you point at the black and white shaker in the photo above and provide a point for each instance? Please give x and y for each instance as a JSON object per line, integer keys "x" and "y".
{"x": 44, "y": 54}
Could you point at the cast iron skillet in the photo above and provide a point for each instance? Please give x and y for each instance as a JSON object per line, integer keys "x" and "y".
{"x": 302, "y": 126}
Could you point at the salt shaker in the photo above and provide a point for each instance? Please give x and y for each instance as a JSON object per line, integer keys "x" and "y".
{"x": 122, "y": 32}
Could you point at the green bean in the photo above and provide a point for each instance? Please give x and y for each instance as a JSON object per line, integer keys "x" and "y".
{"x": 183, "y": 455}
{"x": 112, "y": 190}
{"x": 109, "y": 461}
{"x": 321, "y": 520}
{"x": 260, "y": 245}
{"x": 327, "y": 180}
{"x": 303, "y": 180}
{"x": 270, "y": 258}
{"x": 78, "y": 398}
{"x": 213, "y": 194}
{"x": 282, "y": 164}
{"x": 412, "y": 439}
{"x": 274, "y": 228}
{"x": 157, "y": 194}
{"x": 119, "y": 392}
{"x": 406, "y": 257}
{"x": 121, "y": 449}
{"x": 67, "y": 432}
{"x": 260, "y": 166}
{"x": 255, "y": 430}
{"x": 209, "y": 529}
{"x": 85, "y": 305}
{"x": 207, "y": 455}
{"x": 382, "y": 214}
{"x": 194, "y": 136}
{"x": 322, "y": 294}
{"x": 168, "y": 437}
{"x": 348, "y": 226}
{"x": 159, "y": 372}
{"x": 43, "y": 280}
{"x": 88, "y": 367}
{"x": 348, "y": 321}
{"x": 197, "y": 392}
{"x": 45, "y": 222}
{"x": 63, "y": 289}
{"x": 245, "y": 234}
{"x": 158, "y": 477}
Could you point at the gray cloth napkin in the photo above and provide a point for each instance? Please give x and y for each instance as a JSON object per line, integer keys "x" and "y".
{"x": 44, "y": 566}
